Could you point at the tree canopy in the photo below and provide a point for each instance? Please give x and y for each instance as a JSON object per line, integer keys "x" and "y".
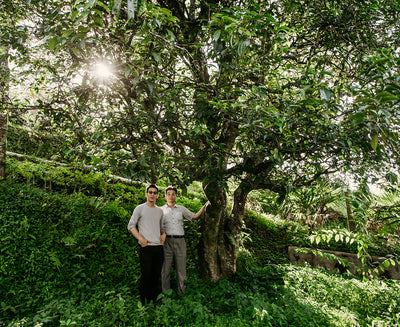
{"x": 268, "y": 94}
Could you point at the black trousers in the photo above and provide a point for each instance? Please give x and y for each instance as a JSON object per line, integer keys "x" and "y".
{"x": 151, "y": 261}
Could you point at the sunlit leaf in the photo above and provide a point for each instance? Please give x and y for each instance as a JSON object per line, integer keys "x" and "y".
{"x": 103, "y": 5}
{"x": 326, "y": 94}
{"x": 374, "y": 141}
{"x": 242, "y": 46}
{"x": 116, "y": 7}
{"x": 132, "y": 7}
{"x": 67, "y": 33}
{"x": 53, "y": 42}
{"x": 217, "y": 35}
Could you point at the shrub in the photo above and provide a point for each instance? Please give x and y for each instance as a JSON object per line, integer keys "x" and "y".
{"x": 66, "y": 244}
{"x": 268, "y": 237}
{"x": 52, "y": 176}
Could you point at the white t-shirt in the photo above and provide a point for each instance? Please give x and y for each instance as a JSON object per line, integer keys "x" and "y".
{"x": 149, "y": 221}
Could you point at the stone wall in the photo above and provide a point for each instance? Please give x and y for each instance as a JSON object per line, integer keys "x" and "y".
{"x": 310, "y": 256}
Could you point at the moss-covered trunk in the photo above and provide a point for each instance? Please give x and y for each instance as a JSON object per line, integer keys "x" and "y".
{"x": 221, "y": 233}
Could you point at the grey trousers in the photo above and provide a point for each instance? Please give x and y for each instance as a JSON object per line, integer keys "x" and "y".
{"x": 174, "y": 248}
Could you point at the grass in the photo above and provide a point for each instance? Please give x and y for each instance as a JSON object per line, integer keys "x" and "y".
{"x": 276, "y": 295}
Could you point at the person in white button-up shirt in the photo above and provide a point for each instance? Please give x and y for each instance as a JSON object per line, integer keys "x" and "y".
{"x": 175, "y": 244}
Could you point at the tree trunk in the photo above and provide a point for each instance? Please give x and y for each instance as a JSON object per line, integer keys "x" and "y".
{"x": 4, "y": 76}
{"x": 221, "y": 233}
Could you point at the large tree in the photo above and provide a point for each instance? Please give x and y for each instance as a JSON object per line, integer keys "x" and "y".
{"x": 260, "y": 94}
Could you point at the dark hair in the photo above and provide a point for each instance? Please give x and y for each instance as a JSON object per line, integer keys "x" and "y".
{"x": 151, "y": 186}
{"x": 169, "y": 188}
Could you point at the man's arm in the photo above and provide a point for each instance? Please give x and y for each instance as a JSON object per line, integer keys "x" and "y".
{"x": 142, "y": 241}
{"x": 163, "y": 236}
{"x": 200, "y": 212}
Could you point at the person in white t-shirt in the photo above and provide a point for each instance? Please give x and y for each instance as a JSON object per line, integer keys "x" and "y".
{"x": 151, "y": 237}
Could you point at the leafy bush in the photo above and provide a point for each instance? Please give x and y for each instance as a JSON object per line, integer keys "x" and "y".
{"x": 267, "y": 237}
{"x": 347, "y": 301}
{"x": 334, "y": 239}
{"x": 52, "y": 176}
{"x": 32, "y": 142}
{"x": 310, "y": 206}
{"x": 386, "y": 213}
{"x": 58, "y": 243}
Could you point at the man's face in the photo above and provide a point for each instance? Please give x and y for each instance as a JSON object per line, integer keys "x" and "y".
{"x": 152, "y": 194}
{"x": 170, "y": 195}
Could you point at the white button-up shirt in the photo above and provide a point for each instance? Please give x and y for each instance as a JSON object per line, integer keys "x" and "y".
{"x": 173, "y": 219}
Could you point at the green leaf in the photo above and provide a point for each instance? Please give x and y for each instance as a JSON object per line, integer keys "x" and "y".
{"x": 100, "y": 3}
{"x": 326, "y": 94}
{"x": 53, "y": 43}
{"x": 386, "y": 97}
{"x": 358, "y": 118}
{"x": 116, "y": 7}
{"x": 75, "y": 51}
{"x": 74, "y": 14}
{"x": 217, "y": 35}
{"x": 242, "y": 46}
{"x": 68, "y": 240}
{"x": 374, "y": 141}
{"x": 156, "y": 56}
{"x": 171, "y": 36}
{"x": 67, "y": 33}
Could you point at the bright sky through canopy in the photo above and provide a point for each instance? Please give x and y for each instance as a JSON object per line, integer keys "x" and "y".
{"x": 103, "y": 71}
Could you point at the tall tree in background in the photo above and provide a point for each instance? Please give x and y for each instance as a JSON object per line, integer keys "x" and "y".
{"x": 4, "y": 80}
{"x": 4, "y": 75}
{"x": 252, "y": 93}
{"x": 4, "y": 85}
{"x": 12, "y": 45}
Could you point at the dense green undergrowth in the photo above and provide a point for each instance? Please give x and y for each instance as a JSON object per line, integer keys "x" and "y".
{"x": 51, "y": 241}
{"x": 68, "y": 260}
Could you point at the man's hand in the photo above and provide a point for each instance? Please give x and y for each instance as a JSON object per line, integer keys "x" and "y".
{"x": 162, "y": 238}
{"x": 143, "y": 242}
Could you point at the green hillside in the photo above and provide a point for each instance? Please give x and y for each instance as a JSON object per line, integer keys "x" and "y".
{"x": 68, "y": 260}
